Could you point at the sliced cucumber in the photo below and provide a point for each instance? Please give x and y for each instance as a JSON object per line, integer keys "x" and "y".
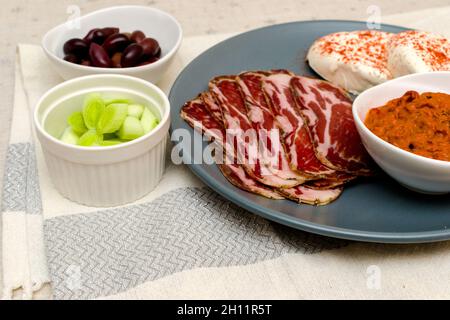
{"x": 92, "y": 110}
{"x": 148, "y": 120}
{"x": 108, "y": 123}
{"x": 119, "y": 100}
{"x": 135, "y": 110}
{"x": 90, "y": 138}
{"x": 69, "y": 136}
{"x": 109, "y": 136}
{"x": 131, "y": 129}
{"x": 112, "y": 118}
{"x": 76, "y": 121}
{"x": 111, "y": 142}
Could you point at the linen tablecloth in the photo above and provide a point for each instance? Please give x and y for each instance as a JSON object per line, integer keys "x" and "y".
{"x": 183, "y": 240}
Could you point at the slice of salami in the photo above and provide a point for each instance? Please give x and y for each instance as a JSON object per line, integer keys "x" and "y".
{"x": 195, "y": 112}
{"x": 337, "y": 180}
{"x": 296, "y": 136}
{"x": 305, "y": 194}
{"x": 198, "y": 117}
{"x": 212, "y": 106}
{"x": 327, "y": 111}
{"x": 241, "y": 136}
{"x": 239, "y": 177}
{"x": 261, "y": 117}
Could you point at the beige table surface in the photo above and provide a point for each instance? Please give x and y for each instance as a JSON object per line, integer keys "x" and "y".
{"x": 26, "y": 21}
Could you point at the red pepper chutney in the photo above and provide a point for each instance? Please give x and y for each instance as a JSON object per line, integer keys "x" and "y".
{"x": 418, "y": 123}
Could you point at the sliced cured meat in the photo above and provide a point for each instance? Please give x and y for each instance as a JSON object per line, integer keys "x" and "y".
{"x": 337, "y": 180}
{"x": 262, "y": 120}
{"x": 196, "y": 114}
{"x": 296, "y": 136}
{"x": 240, "y": 134}
{"x": 240, "y": 130}
{"x": 239, "y": 177}
{"x": 212, "y": 106}
{"x": 328, "y": 114}
{"x": 304, "y": 194}
{"x": 207, "y": 115}
{"x": 315, "y": 123}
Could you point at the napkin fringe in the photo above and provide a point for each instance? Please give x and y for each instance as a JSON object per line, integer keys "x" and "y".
{"x": 24, "y": 265}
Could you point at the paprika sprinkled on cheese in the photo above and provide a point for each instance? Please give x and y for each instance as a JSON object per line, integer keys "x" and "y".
{"x": 359, "y": 47}
{"x": 418, "y": 123}
{"x": 432, "y": 49}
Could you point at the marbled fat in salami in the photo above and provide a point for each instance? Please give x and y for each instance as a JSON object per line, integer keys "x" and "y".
{"x": 212, "y": 106}
{"x": 195, "y": 112}
{"x": 297, "y": 140}
{"x": 333, "y": 181}
{"x": 305, "y": 194}
{"x": 263, "y": 121}
{"x": 239, "y": 177}
{"x": 327, "y": 111}
{"x": 227, "y": 94}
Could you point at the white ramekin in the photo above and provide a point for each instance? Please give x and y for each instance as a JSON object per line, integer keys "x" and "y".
{"x": 153, "y": 22}
{"x": 104, "y": 176}
{"x": 413, "y": 171}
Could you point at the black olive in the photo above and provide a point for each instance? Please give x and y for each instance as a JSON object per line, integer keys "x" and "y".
{"x": 131, "y": 56}
{"x": 77, "y": 47}
{"x": 99, "y": 57}
{"x": 115, "y": 43}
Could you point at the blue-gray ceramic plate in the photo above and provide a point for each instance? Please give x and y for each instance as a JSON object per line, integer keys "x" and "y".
{"x": 377, "y": 210}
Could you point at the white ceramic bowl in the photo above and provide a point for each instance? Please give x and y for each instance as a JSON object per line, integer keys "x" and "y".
{"x": 413, "y": 171}
{"x": 153, "y": 22}
{"x": 102, "y": 176}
